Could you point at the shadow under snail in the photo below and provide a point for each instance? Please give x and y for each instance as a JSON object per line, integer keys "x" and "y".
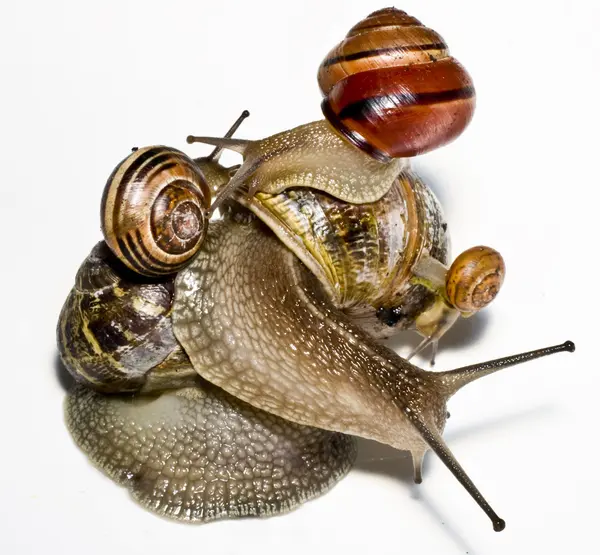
{"x": 224, "y": 367}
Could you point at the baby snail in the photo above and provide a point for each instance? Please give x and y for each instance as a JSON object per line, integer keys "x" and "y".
{"x": 155, "y": 207}
{"x": 224, "y": 368}
{"x": 360, "y": 218}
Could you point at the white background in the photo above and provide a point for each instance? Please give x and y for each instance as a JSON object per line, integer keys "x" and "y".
{"x": 83, "y": 82}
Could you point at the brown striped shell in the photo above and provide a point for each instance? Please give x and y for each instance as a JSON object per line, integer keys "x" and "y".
{"x": 392, "y": 89}
{"x": 155, "y": 210}
{"x": 114, "y": 332}
{"x": 364, "y": 254}
{"x": 475, "y": 278}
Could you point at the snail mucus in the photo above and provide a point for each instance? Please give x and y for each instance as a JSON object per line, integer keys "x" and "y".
{"x": 224, "y": 368}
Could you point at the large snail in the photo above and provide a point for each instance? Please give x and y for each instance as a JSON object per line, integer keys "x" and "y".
{"x": 252, "y": 360}
{"x": 406, "y": 89}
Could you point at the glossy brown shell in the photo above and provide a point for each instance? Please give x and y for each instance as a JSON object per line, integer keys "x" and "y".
{"x": 392, "y": 89}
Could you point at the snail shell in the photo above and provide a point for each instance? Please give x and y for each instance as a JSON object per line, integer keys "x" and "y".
{"x": 475, "y": 278}
{"x": 392, "y": 89}
{"x": 114, "y": 332}
{"x": 363, "y": 254}
{"x": 155, "y": 210}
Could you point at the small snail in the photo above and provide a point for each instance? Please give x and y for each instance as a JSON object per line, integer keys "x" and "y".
{"x": 154, "y": 210}
{"x": 155, "y": 206}
{"x": 230, "y": 380}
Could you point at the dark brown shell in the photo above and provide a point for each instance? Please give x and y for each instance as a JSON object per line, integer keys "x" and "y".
{"x": 392, "y": 89}
{"x": 114, "y": 332}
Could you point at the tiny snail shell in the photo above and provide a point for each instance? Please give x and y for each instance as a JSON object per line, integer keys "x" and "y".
{"x": 392, "y": 89}
{"x": 475, "y": 278}
{"x": 155, "y": 210}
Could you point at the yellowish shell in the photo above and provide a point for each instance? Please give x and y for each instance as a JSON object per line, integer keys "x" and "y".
{"x": 475, "y": 278}
{"x": 364, "y": 254}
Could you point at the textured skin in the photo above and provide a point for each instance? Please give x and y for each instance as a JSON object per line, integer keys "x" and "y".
{"x": 315, "y": 156}
{"x": 198, "y": 454}
{"x": 255, "y": 322}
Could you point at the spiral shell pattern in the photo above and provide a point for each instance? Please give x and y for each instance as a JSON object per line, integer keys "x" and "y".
{"x": 475, "y": 278}
{"x": 392, "y": 89}
{"x": 155, "y": 210}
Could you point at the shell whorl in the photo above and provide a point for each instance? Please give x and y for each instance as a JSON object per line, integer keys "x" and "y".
{"x": 392, "y": 89}
{"x": 155, "y": 210}
{"x": 475, "y": 278}
{"x": 363, "y": 254}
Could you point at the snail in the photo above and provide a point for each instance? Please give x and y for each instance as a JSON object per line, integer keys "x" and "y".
{"x": 155, "y": 206}
{"x": 393, "y": 90}
{"x": 312, "y": 180}
{"x": 231, "y": 381}
{"x": 291, "y": 380}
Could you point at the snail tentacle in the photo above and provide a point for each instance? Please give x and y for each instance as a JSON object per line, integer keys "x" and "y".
{"x": 217, "y": 175}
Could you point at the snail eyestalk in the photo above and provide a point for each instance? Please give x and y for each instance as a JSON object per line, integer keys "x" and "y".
{"x": 433, "y": 341}
{"x": 453, "y": 380}
{"x": 216, "y": 153}
{"x": 450, "y": 382}
{"x": 220, "y": 145}
{"x": 439, "y": 447}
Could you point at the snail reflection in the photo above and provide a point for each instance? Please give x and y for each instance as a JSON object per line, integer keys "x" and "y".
{"x": 224, "y": 367}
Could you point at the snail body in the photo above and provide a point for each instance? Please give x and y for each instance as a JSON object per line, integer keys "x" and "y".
{"x": 186, "y": 449}
{"x": 381, "y": 250}
{"x": 255, "y": 322}
{"x": 241, "y": 356}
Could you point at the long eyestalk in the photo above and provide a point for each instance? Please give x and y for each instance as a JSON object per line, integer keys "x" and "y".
{"x": 216, "y": 153}
{"x": 439, "y": 447}
{"x": 453, "y": 380}
{"x": 449, "y": 383}
{"x": 221, "y": 144}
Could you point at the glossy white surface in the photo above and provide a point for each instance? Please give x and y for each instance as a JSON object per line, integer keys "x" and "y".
{"x": 82, "y": 83}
